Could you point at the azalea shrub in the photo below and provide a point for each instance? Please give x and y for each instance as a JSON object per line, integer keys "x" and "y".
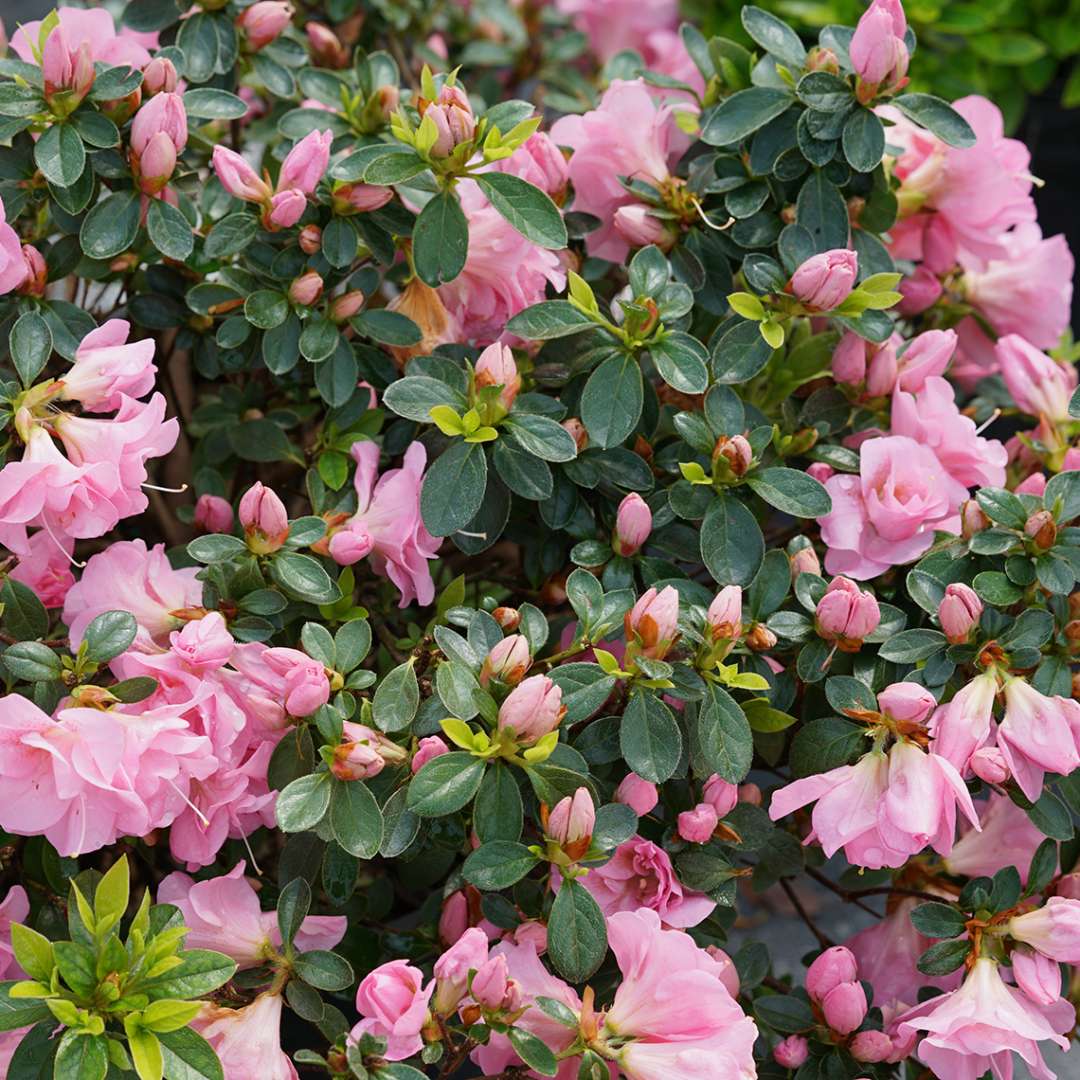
{"x": 493, "y": 501}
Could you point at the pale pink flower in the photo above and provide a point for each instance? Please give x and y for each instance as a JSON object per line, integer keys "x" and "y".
{"x": 673, "y": 1006}
{"x": 825, "y": 281}
{"x": 965, "y": 723}
{"x": 264, "y": 21}
{"x": 571, "y": 821}
{"x": 95, "y": 28}
{"x": 791, "y": 1052}
{"x": 291, "y": 676}
{"x": 284, "y": 209}
{"x": 878, "y": 51}
{"x": 633, "y": 523}
{"x": 46, "y": 569}
{"x": 204, "y": 644}
{"x": 720, "y": 795}
{"x": 387, "y": 526}
{"x": 831, "y": 968}
{"x": 223, "y": 914}
{"x": 429, "y": 747}
{"x": 213, "y": 514}
{"x": 139, "y": 580}
{"x": 920, "y": 290}
{"x": 1038, "y": 734}
{"x": 846, "y": 614}
{"x": 640, "y": 795}
{"x": 927, "y": 354}
{"x": 845, "y": 1007}
{"x": 906, "y": 701}
{"x": 539, "y": 161}
{"x": 978, "y": 1027}
{"x": 504, "y": 273}
{"x": 959, "y": 612}
{"x": 640, "y": 875}
{"x": 247, "y": 1041}
{"x": 237, "y": 177}
{"x": 496, "y": 367}
{"x": 264, "y": 519}
{"x": 1008, "y": 838}
{"x": 697, "y": 826}
{"x": 13, "y": 268}
{"x": 159, "y": 76}
{"x": 452, "y": 969}
{"x": 887, "y": 515}
{"x": 452, "y": 115}
{"x": 627, "y": 135}
{"x": 1040, "y": 385}
{"x": 508, "y": 661}
{"x": 1037, "y": 975}
{"x": 883, "y": 809}
{"x": 13, "y": 908}
{"x": 639, "y": 227}
{"x": 532, "y": 710}
{"x": 306, "y": 162}
{"x": 163, "y": 114}
{"x": 1053, "y": 929}
{"x": 393, "y": 1004}
{"x": 107, "y": 366}
{"x": 614, "y": 25}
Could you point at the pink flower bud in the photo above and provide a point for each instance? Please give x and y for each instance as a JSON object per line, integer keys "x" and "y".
{"x": 989, "y": 764}
{"x": 363, "y": 753}
{"x": 213, "y": 514}
{"x": 454, "y": 917}
{"x": 1035, "y": 484}
{"x": 570, "y": 824}
{"x": 204, "y": 644}
{"x": 750, "y": 794}
{"x": 1038, "y": 976}
{"x": 305, "y": 164}
{"x": 821, "y": 472}
{"x": 878, "y": 53}
{"x": 361, "y": 198}
{"x": 633, "y": 523}
{"x": 508, "y": 661}
{"x": 326, "y": 49}
{"x": 453, "y": 118}
{"x": 639, "y": 228}
{"x": 37, "y": 272}
{"x": 163, "y": 113}
{"x": 825, "y": 281}
{"x": 720, "y": 795}
{"x": 345, "y": 306}
{"x": 264, "y": 518}
{"x": 849, "y": 360}
{"x": 845, "y": 1007}
{"x": 159, "y": 76}
{"x": 1068, "y": 885}
{"x": 310, "y": 239}
{"x": 237, "y": 177}
{"x": 284, "y": 209}
{"x": 959, "y": 612}
{"x": 640, "y": 795}
{"x": 68, "y": 71}
{"x": 496, "y": 367}
{"x": 1071, "y": 462}
{"x": 833, "y": 967}
{"x": 264, "y": 21}
{"x": 805, "y": 561}
{"x": 724, "y": 617}
{"x": 532, "y": 710}
{"x": 306, "y": 289}
{"x": 576, "y": 430}
{"x": 920, "y": 290}
{"x": 1039, "y": 385}
{"x": 492, "y": 987}
{"x": 468, "y": 953}
{"x": 871, "y": 1046}
{"x": 726, "y": 971}
{"x": 846, "y": 614}
{"x": 881, "y": 372}
{"x": 1041, "y": 529}
{"x": 651, "y": 625}
{"x": 736, "y": 452}
{"x": 907, "y": 701}
{"x": 791, "y": 1052}
{"x": 429, "y": 747}
{"x": 305, "y": 686}
{"x": 697, "y": 826}
{"x": 157, "y": 163}
{"x": 972, "y": 519}
{"x": 539, "y": 161}
{"x": 1053, "y": 929}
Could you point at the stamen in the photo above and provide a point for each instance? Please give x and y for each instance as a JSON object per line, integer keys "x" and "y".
{"x": 67, "y": 554}
{"x": 986, "y": 423}
{"x": 168, "y": 491}
{"x": 191, "y": 806}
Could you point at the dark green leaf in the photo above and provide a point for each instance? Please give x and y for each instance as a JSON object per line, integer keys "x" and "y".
{"x": 440, "y": 240}
{"x": 577, "y": 933}
{"x": 528, "y": 209}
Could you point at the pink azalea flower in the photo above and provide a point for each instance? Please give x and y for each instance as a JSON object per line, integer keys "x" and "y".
{"x": 626, "y": 135}
{"x": 640, "y": 875}
{"x": 387, "y": 526}
{"x": 965, "y": 724}
{"x": 107, "y": 367}
{"x": 1039, "y": 385}
{"x": 1028, "y": 288}
{"x": 306, "y": 162}
{"x": 223, "y": 914}
{"x": 539, "y": 161}
{"x": 978, "y": 1027}
{"x": 393, "y": 1004}
{"x": 673, "y": 1006}
{"x": 1008, "y": 838}
{"x": 927, "y": 355}
{"x": 13, "y": 267}
{"x": 887, "y": 514}
{"x": 504, "y": 273}
{"x": 46, "y": 569}
{"x": 1038, "y": 734}
{"x": 287, "y": 675}
{"x": 142, "y": 580}
{"x": 883, "y": 809}
{"x": 248, "y": 1040}
{"x": 614, "y": 25}
{"x": 95, "y": 28}
{"x": 13, "y": 908}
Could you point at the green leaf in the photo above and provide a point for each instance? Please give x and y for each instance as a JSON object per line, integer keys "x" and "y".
{"x": 938, "y": 117}
{"x": 577, "y": 933}
{"x": 400, "y": 825}
{"x": 938, "y": 920}
{"x": 303, "y": 578}
{"x": 547, "y": 320}
{"x": 825, "y": 744}
{"x": 740, "y": 354}
{"x": 744, "y": 113}
{"x": 682, "y": 362}
{"x": 541, "y": 436}
{"x": 944, "y": 957}
{"x": 34, "y": 952}
{"x": 863, "y": 140}
{"x": 60, "y": 155}
{"x": 911, "y": 646}
{"x": 393, "y": 168}
{"x": 304, "y": 802}
{"x": 498, "y": 812}
{"x": 387, "y": 327}
{"x": 230, "y": 235}
{"x": 19, "y": 1012}
{"x": 825, "y": 92}
{"x": 792, "y": 491}
{"x": 440, "y": 240}
{"x": 293, "y": 905}
{"x": 650, "y": 738}
{"x": 81, "y": 1057}
{"x": 112, "y": 892}
{"x": 24, "y": 615}
{"x": 169, "y": 231}
{"x": 584, "y": 687}
{"x": 324, "y": 970}
{"x": 533, "y": 1052}
{"x": 1051, "y": 816}
{"x": 188, "y": 1056}
{"x": 356, "y": 818}
{"x": 199, "y": 972}
{"x": 732, "y": 546}
{"x": 445, "y": 784}
{"x": 396, "y": 699}
{"x": 454, "y": 488}
{"x": 145, "y": 1051}
{"x": 821, "y": 210}
{"x": 528, "y": 209}
{"x": 1044, "y": 864}
{"x": 416, "y": 395}
{"x": 498, "y": 864}
{"x": 207, "y": 103}
{"x": 612, "y": 400}
{"x": 266, "y": 308}
{"x": 785, "y": 1013}
{"x": 216, "y": 547}
{"x": 1064, "y": 486}
{"x": 30, "y": 344}
{"x": 774, "y": 36}
{"x": 111, "y": 226}
{"x": 724, "y": 738}
{"x": 108, "y": 635}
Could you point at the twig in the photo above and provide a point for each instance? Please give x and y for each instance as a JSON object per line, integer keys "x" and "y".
{"x": 840, "y": 891}
{"x": 823, "y": 939}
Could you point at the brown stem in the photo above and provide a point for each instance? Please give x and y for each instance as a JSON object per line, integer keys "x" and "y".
{"x": 823, "y": 939}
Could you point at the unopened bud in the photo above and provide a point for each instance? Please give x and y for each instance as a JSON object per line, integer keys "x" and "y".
{"x": 1042, "y": 530}
{"x": 972, "y": 519}
{"x": 959, "y": 612}
{"x": 159, "y": 76}
{"x": 507, "y": 662}
{"x": 306, "y": 289}
{"x": 326, "y": 49}
{"x": 822, "y": 59}
{"x": 760, "y": 638}
{"x": 507, "y": 617}
{"x": 344, "y": 307}
{"x": 310, "y": 239}
{"x": 805, "y": 561}
{"x": 576, "y": 429}
{"x": 37, "y": 273}
{"x": 736, "y": 451}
